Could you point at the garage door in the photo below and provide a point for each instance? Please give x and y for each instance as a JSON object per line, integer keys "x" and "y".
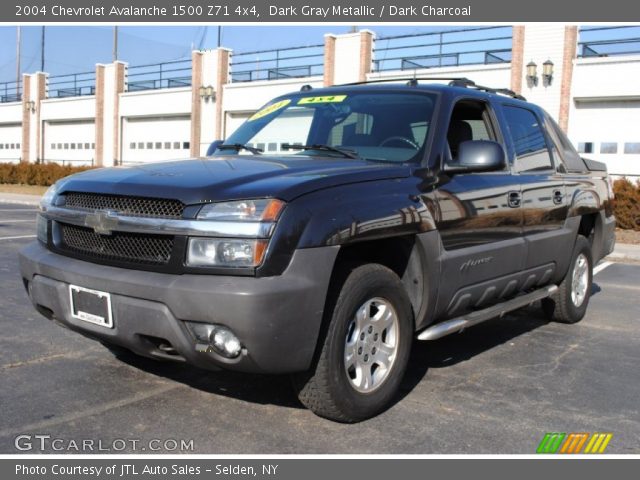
{"x": 149, "y": 139}
{"x": 608, "y": 131}
{"x": 70, "y": 142}
{"x": 10, "y": 137}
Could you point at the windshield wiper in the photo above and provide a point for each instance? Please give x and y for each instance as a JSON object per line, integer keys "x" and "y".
{"x": 238, "y": 146}
{"x": 324, "y": 148}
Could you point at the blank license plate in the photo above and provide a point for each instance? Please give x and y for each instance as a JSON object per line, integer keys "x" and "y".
{"x": 91, "y": 306}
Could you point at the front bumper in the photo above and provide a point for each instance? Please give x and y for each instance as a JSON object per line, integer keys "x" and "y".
{"x": 277, "y": 319}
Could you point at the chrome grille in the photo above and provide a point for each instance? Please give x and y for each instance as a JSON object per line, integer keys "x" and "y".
{"x": 125, "y": 205}
{"x": 121, "y": 246}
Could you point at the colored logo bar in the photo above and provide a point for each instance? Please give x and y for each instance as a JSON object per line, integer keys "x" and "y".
{"x": 556, "y": 442}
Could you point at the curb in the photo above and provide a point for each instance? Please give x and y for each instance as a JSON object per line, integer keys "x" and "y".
{"x": 18, "y": 199}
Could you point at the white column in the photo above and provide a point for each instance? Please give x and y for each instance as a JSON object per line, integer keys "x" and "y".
{"x": 542, "y": 43}
{"x": 348, "y": 57}
{"x": 210, "y": 72}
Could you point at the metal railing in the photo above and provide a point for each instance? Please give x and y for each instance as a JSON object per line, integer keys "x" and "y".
{"x": 72, "y": 85}
{"x": 10, "y": 92}
{"x": 293, "y": 62}
{"x": 445, "y": 48}
{"x": 159, "y": 75}
{"x": 609, "y": 41}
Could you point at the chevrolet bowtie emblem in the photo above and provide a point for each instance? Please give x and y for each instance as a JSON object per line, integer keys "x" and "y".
{"x": 103, "y": 222}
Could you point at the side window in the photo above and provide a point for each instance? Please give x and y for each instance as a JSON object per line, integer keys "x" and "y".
{"x": 532, "y": 152}
{"x": 557, "y": 145}
{"x": 469, "y": 121}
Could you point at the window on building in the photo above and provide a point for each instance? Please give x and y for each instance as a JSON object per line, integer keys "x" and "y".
{"x": 73, "y": 146}
{"x": 176, "y": 145}
{"x": 608, "y": 147}
{"x": 272, "y": 147}
{"x": 585, "y": 147}
{"x": 149, "y": 146}
{"x": 532, "y": 152}
{"x": 158, "y": 145}
{"x": 1, "y": 146}
{"x": 13, "y": 145}
{"x": 132, "y": 145}
{"x": 18, "y": 146}
{"x": 66, "y": 146}
{"x": 86, "y": 146}
{"x": 59, "y": 146}
{"x": 53, "y": 146}
{"x": 167, "y": 145}
{"x": 140, "y": 145}
{"x": 632, "y": 148}
{"x": 185, "y": 145}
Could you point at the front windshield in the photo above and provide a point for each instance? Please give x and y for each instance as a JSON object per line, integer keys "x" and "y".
{"x": 379, "y": 126}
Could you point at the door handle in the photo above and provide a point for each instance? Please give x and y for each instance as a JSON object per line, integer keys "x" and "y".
{"x": 514, "y": 199}
{"x": 558, "y": 197}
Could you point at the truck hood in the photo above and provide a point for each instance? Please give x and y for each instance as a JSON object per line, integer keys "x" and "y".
{"x": 231, "y": 177}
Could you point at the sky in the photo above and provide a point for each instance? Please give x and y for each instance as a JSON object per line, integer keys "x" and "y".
{"x": 73, "y": 49}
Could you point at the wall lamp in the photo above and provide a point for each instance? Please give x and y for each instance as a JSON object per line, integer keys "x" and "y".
{"x": 532, "y": 74}
{"x": 30, "y": 106}
{"x": 547, "y": 73}
{"x": 207, "y": 93}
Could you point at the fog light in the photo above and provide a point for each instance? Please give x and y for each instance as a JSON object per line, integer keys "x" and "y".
{"x": 223, "y": 340}
{"x": 215, "y": 338}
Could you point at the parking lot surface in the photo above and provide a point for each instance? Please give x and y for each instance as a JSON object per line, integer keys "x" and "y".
{"x": 496, "y": 388}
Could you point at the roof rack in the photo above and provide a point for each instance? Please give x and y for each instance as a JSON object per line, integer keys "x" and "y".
{"x": 411, "y": 82}
{"x": 453, "y": 82}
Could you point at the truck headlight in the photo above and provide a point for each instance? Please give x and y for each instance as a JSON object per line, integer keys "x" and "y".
{"x": 259, "y": 210}
{"x": 235, "y": 252}
{"x": 49, "y": 196}
{"x": 225, "y": 252}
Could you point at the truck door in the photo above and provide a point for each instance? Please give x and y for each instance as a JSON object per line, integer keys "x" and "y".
{"x": 544, "y": 199}
{"x": 479, "y": 216}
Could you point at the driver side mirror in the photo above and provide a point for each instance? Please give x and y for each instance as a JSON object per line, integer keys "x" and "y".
{"x": 478, "y": 156}
{"x": 214, "y": 146}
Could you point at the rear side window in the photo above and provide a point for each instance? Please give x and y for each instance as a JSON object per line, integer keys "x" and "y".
{"x": 532, "y": 152}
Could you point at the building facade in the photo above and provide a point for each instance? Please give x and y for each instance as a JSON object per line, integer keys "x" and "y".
{"x": 586, "y": 78}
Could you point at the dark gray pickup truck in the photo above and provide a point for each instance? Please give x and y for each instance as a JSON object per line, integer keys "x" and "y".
{"x": 333, "y": 228}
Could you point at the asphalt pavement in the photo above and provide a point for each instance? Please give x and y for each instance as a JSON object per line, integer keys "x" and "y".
{"x": 496, "y": 388}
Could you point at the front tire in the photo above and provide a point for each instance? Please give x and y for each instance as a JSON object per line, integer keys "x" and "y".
{"x": 366, "y": 348}
{"x": 569, "y": 304}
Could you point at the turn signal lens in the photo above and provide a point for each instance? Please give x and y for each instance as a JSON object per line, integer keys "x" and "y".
{"x": 272, "y": 210}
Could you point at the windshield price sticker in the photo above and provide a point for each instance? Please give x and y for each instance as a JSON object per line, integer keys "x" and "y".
{"x": 269, "y": 109}
{"x": 325, "y": 99}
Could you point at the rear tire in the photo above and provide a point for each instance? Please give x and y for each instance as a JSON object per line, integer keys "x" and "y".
{"x": 364, "y": 353}
{"x": 569, "y": 304}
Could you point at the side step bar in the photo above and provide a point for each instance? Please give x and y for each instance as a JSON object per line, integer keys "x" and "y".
{"x": 458, "y": 324}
